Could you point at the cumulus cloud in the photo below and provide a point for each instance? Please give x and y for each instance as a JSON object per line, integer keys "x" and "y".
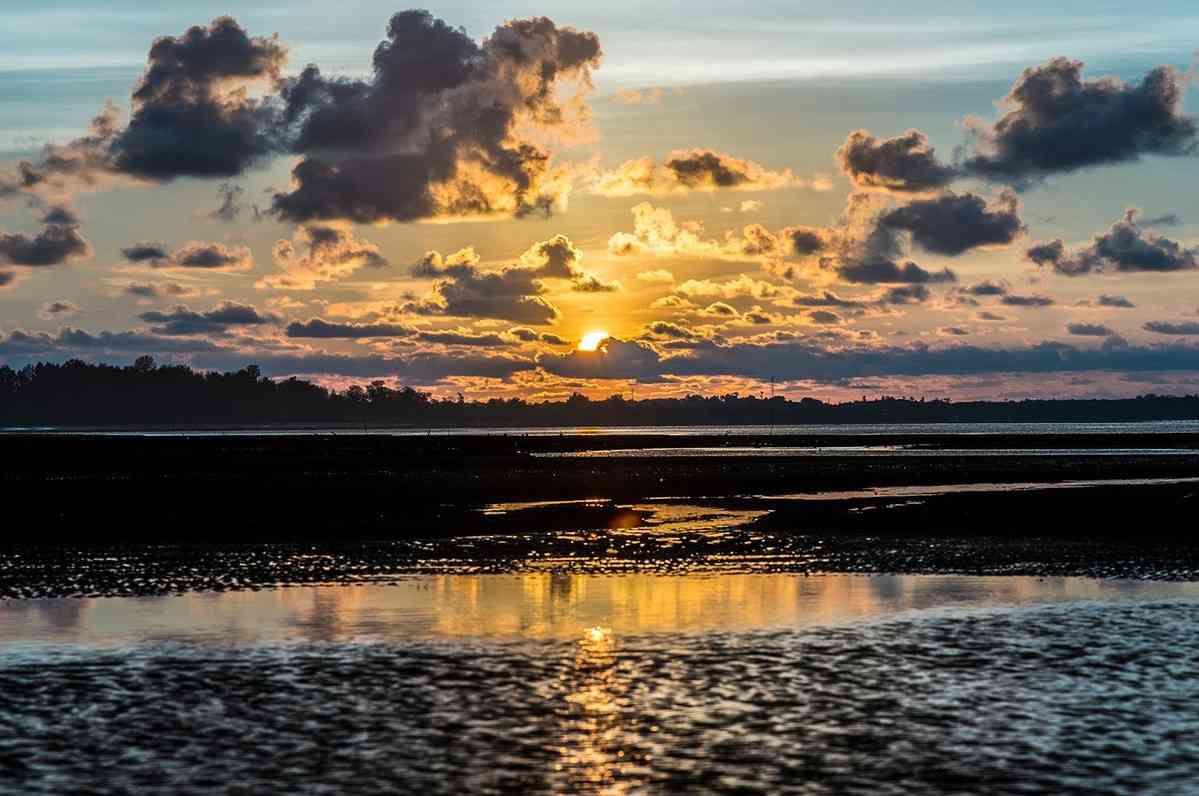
{"x": 198, "y": 255}
{"x": 444, "y": 127}
{"x": 1034, "y": 301}
{"x": 1114, "y": 301}
{"x": 158, "y": 290}
{"x": 952, "y": 224}
{"x": 1056, "y": 121}
{"x": 1089, "y": 330}
{"x": 182, "y": 320}
{"x": 691, "y": 170}
{"x": 513, "y": 293}
{"x": 905, "y": 163}
{"x": 656, "y": 233}
{"x": 656, "y": 277}
{"x": 987, "y": 288}
{"x": 320, "y": 253}
{"x": 58, "y": 242}
{"x": 1183, "y": 328}
{"x": 1126, "y": 247}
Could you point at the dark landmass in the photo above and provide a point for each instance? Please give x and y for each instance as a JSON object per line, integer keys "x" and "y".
{"x": 97, "y": 515}
{"x": 79, "y": 394}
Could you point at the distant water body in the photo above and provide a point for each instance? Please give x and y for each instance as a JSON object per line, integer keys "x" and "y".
{"x": 864, "y": 429}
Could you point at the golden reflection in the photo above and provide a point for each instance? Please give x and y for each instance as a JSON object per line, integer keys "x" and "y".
{"x": 591, "y": 753}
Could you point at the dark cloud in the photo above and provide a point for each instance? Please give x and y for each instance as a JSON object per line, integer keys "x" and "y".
{"x": 1089, "y": 330}
{"x": 462, "y": 338}
{"x": 987, "y": 289}
{"x": 58, "y": 242}
{"x": 1126, "y": 246}
{"x": 823, "y": 299}
{"x": 189, "y": 118}
{"x": 231, "y": 206}
{"x": 908, "y": 294}
{"x": 20, "y": 345}
{"x": 52, "y": 310}
{"x": 904, "y": 163}
{"x": 884, "y": 271}
{"x": 182, "y": 320}
{"x": 1013, "y": 300}
{"x": 805, "y": 241}
{"x": 1166, "y": 327}
{"x": 952, "y": 224}
{"x": 1164, "y": 220}
{"x": 1056, "y": 121}
{"x": 7, "y": 278}
{"x": 439, "y": 129}
{"x": 414, "y": 369}
{"x": 792, "y": 358}
{"x": 145, "y": 252}
{"x": 204, "y": 256}
{"x": 553, "y": 339}
{"x": 824, "y": 317}
{"x": 326, "y": 330}
{"x": 523, "y": 333}
{"x": 1114, "y": 301}
{"x": 159, "y": 290}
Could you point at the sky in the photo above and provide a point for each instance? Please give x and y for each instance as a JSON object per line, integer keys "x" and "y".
{"x": 831, "y": 200}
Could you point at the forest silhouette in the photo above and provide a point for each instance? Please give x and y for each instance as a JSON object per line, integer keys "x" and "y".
{"x": 82, "y": 394}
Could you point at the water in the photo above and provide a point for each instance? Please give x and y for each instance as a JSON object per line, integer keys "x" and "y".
{"x": 1149, "y": 427}
{"x": 900, "y": 451}
{"x": 757, "y": 683}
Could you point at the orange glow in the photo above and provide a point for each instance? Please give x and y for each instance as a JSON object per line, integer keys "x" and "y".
{"x": 591, "y": 341}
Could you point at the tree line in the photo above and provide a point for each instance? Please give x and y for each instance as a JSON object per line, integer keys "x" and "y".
{"x": 77, "y": 393}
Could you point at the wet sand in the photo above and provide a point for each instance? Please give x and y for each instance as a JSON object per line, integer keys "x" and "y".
{"x": 147, "y": 516}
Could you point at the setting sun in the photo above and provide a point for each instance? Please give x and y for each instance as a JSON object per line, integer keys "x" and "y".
{"x": 591, "y": 341}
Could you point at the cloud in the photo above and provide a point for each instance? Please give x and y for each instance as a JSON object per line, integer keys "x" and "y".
{"x": 1013, "y": 300}
{"x": 319, "y": 328}
{"x": 883, "y": 271}
{"x": 157, "y": 290}
{"x": 656, "y": 233}
{"x": 231, "y": 206}
{"x": 52, "y": 310}
{"x": 613, "y": 359}
{"x": 182, "y": 320}
{"x": 1056, "y": 121}
{"x": 203, "y": 256}
{"x": 952, "y": 224}
{"x": 320, "y": 253}
{"x": 905, "y": 163}
{"x": 445, "y": 127}
{"x": 718, "y": 309}
{"x": 743, "y": 286}
{"x": 20, "y": 345}
{"x": 1165, "y": 327}
{"x": 1125, "y": 247}
{"x": 690, "y": 170}
{"x": 58, "y": 242}
{"x": 190, "y": 116}
{"x": 657, "y": 277}
{"x": 671, "y": 330}
{"x": 1114, "y": 301}
{"x": 1089, "y": 330}
{"x": 987, "y": 289}
{"x": 823, "y": 299}
{"x": 513, "y": 293}
{"x": 908, "y": 294}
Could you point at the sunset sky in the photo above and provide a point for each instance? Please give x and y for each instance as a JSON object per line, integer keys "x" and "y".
{"x": 959, "y": 200}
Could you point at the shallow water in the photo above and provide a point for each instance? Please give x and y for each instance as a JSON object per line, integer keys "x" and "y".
{"x": 890, "y": 451}
{"x": 606, "y": 685}
{"x": 1148, "y": 427}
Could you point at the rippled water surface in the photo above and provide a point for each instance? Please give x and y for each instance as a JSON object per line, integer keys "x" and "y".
{"x": 752, "y": 683}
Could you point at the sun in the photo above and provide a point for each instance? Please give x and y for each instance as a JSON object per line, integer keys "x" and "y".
{"x": 592, "y": 340}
